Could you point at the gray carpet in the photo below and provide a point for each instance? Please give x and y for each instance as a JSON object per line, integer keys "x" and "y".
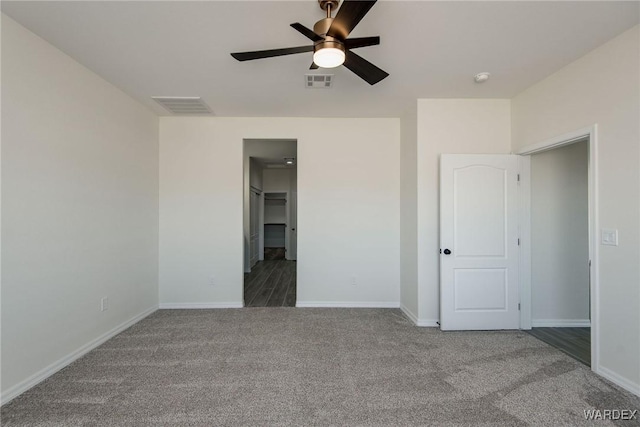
{"x": 292, "y": 366}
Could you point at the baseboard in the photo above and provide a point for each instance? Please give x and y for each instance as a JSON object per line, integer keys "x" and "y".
{"x": 561, "y": 323}
{"x": 618, "y": 380}
{"x": 409, "y": 314}
{"x": 428, "y": 323}
{"x": 45, "y": 373}
{"x": 197, "y": 305}
{"x": 344, "y": 304}
{"x": 423, "y": 323}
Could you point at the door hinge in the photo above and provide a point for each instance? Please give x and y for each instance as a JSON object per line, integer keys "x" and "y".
{"x": 518, "y": 177}
{"x": 518, "y": 241}
{"x": 518, "y": 306}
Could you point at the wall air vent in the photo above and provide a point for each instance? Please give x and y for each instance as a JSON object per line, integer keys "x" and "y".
{"x": 184, "y": 105}
{"x": 318, "y": 81}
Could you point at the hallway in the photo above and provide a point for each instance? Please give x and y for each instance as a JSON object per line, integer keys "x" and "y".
{"x": 271, "y": 284}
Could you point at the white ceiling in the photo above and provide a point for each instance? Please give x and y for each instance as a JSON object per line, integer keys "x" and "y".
{"x": 431, "y": 49}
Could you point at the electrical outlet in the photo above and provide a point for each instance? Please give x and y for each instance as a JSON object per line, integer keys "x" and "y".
{"x": 212, "y": 281}
{"x": 354, "y": 281}
{"x": 104, "y": 304}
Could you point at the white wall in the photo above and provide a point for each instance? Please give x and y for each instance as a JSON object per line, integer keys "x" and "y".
{"x": 602, "y": 88}
{"x": 79, "y": 208}
{"x": 2, "y": 398}
{"x": 449, "y": 126}
{"x": 409, "y": 213}
{"x": 560, "y": 236}
{"x": 348, "y": 208}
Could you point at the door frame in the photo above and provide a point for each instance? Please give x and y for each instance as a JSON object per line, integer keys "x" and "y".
{"x": 590, "y": 134}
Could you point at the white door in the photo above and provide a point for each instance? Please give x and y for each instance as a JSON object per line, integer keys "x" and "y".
{"x": 254, "y": 218}
{"x": 479, "y": 286}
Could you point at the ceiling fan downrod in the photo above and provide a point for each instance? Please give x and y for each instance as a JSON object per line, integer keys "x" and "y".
{"x": 328, "y": 6}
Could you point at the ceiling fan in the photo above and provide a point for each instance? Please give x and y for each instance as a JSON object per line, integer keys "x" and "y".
{"x": 331, "y": 47}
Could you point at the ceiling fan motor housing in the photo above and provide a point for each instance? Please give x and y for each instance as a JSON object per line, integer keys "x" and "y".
{"x": 321, "y": 27}
{"x": 324, "y": 44}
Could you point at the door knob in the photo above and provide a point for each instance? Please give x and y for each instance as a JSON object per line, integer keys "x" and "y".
{"x": 447, "y": 252}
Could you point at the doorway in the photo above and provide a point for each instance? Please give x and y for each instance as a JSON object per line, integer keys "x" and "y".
{"x": 571, "y": 321}
{"x": 270, "y": 223}
{"x": 276, "y": 218}
{"x": 560, "y": 294}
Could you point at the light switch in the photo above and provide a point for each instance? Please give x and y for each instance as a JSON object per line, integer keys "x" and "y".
{"x": 609, "y": 237}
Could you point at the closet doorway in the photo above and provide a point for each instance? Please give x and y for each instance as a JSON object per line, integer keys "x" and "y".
{"x": 270, "y": 222}
{"x": 275, "y": 226}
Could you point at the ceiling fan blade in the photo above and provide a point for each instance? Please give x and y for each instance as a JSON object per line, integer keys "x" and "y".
{"x": 314, "y": 66}
{"x": 361, "y": 42}
{"x": 259, "y": 54}
{"x": 307, "y": 32}
{"x": 348, "y": 16}
{"x": 363, "y": 68}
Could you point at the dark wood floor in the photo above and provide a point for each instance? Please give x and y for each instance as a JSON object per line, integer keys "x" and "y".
{"x": 271, "y": 284}
{"x": 273, "y": 253}
{"x": 576, "y": 342}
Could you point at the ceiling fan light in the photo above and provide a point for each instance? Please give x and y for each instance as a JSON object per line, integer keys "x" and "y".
{"x": 328, "y": 57}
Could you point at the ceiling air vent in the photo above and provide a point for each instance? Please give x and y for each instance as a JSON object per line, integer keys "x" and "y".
{"x": 318, "y": 81}
{"x": 183, "y": 105}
